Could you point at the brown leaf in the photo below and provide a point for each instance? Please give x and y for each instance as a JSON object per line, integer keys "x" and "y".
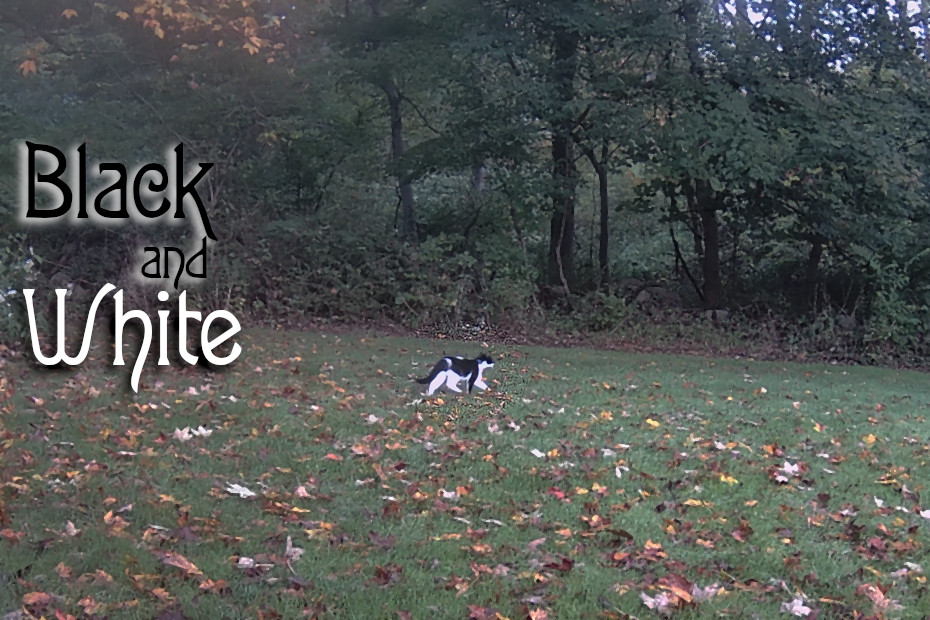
{"x": 481, "y": 613}
{"x": 385, "y": 542}
{"x": 174, "y": 559}
{"x": 743, "y": 532}
{"x": 386, "y": 575}
{"x": 678, "y": 585}
{"x": 63, "y": 571}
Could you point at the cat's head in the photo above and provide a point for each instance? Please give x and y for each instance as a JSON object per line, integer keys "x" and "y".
{"x": 484, "y": 361}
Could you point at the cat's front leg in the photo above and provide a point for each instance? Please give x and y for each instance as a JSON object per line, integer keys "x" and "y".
{"x": 480, "y": 384}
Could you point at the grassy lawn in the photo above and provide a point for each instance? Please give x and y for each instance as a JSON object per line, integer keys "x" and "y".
{"x": 584, "y": 484}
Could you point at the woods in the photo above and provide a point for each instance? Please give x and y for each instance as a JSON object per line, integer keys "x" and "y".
{"x": 524, "y": 164}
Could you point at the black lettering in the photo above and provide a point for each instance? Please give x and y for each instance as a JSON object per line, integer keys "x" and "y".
{"x": 177, "y": 277}
{"x": 52, "y": 177}
{"x": 202, "y": 253}
{"x": 183, "y": 190}
{"x": 153, "y": 187}
{"x": 120, "y": 186}
{"x": 154, "y": 261}
{"x": 82, "y": 182}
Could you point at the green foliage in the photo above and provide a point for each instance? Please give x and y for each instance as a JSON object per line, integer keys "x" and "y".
{"x": 899, "y": 313}
{"x": 808, "y": 129}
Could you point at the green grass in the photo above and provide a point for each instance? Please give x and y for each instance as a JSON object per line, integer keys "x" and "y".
{"x": 696, "y": 442}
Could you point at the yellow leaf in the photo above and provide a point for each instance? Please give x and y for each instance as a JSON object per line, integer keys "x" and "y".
{"x": 728, "y": 479}
{"x": 869, "y": 439}
{"x": 652, "y": 422}
{"x": 69, "y": 13}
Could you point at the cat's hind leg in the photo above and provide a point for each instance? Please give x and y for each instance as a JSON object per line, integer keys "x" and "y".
{"x": 452, "y": 382}
{"x": 436, "y": 383}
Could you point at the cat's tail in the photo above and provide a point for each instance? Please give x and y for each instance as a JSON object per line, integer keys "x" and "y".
{"x": 441, "y": 365}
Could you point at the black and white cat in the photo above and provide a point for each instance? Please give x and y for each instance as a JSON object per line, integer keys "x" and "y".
{"x": 452, "y": 370}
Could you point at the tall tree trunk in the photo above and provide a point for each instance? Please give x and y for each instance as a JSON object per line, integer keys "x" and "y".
{"x": 408, "y": 221}
{"x": 813, "y": 269}
{"x": 604, "y": 245}
{"x": 562, "y": 225}
{"x": 742, "y": 10}
{"x": 694, "y": 214}
{"x": 713, "y": 285}
{"x": 925, "y": 20}
{"x": 904, "y": 23}
{"x": 600, "y": 168}
{"x": 477, "y": 178}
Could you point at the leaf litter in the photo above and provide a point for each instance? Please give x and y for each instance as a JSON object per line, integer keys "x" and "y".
{"x": 548, "y": 496}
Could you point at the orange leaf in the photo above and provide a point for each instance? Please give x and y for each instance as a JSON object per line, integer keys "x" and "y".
{"x": 69, "y": 13}
{"x": 28, "y": 66}
{"x": 36, "y": 598}
{"x": 333, "y": 457}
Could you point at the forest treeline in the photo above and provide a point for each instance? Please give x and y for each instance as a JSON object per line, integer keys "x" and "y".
{"x": 580, "y": 164}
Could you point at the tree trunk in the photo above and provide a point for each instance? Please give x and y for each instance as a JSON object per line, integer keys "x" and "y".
{"x": 600, "y": 168}
{"x": 562, "y": 234}
{"x": 713, "y": 285}
{"x": 694, "y": 214}
{"x": 562, "y": 225}
{"x": 904, "y": 23}
{"x": 742, "y": 10}
{"x": 813, "y": 260}
{"x": 408, "y": 221}
{"x": 477, "y": 178}
{"x": 925, "y": 19}
{"x": 602, "y": 256}
{"x": 813, "y": 269}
